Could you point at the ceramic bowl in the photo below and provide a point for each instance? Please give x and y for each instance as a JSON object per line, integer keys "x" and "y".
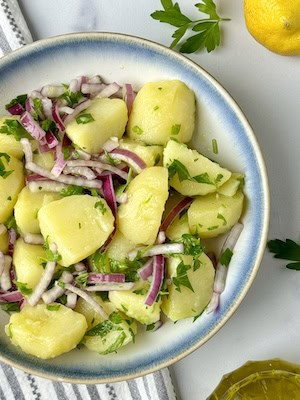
{"x": 134, "y": 60}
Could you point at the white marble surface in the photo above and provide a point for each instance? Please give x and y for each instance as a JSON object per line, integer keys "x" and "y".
{"x": 267, "y": 87}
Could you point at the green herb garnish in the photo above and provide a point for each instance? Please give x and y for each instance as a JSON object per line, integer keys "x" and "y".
{"x": 53, "y": 307}
{"x": 71, "y": 190}
{"x": 3, "y": 172}
{"x": 71, "y": 98}
{"x": 226, "y": 257}
{"x": 215, "y": 146}
{"x": 221, "y": 216}
{"x": 14, "y": 128}
{"x": 100, "y": 206}
{"x": 288, "y": 250}
{"x": 84, "y": 118}
{"x": 21, "y": 99}
{"x": 175, "y": 129}
{"x": 181, "y": 278}
{"x": 136, "y": 129}
{"x": 208, "y": 29}
{"x": 23, "y": 288}
{"x": 9, "y": 308}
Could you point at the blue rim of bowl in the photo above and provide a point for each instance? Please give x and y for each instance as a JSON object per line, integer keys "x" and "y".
{"x": 42, "y": 45}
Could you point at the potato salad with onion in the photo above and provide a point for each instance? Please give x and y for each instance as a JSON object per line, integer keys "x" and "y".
{"x": 103, "y": 208}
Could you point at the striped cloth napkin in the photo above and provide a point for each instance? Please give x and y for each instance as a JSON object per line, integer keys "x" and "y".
{"x": 18, "y": 385}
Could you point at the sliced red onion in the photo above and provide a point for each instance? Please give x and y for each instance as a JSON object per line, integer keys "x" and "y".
{"x": 56, "y": 291}
{"x": 79, "y": 267}
{"x": 47, "y": 107}
{"x": 65, "y": 110}
{"x": 111, "y": 144}
{"x": 3, "y": 229}
{"x": 59, "y": 163}
{"x": 222, "y": 270}
{"x": 31, "y": 238}
{"x": 83, "y": 155}
{"x": 5, "y": 278}
{"x": 36, "y": 93}
{"x": 161, "y": 238}
{"x": 108, "y": 90}
{"x": 158, "y": 277}
{"x": 108, "y": 278}
{"x": 44, "y": 281}
{"x": 81, "y": 293}
{"x": 11, "y": 297}
{"x": 12, "y": 237}
{"x": 97, "y": 164}
{"x": 35, "y": 177}
{"x": 52, "y": 91}
{"x": 95, "y": 79}
{"x": 57, "y": 118}
{"x": 2, "y": 263}
{"x": 91, "y": 88}
{"x": 80, "y": 107}
{"x": 174, "y": 212}
{"x": 75, "y": 85}
{"x": 109, "y": 194}
{"x": 33, "y": 127}
{"x": 44, "y": 148}
{"x": 16, "y": 109}
{"x": 129, "y": 96}
{"x": 108, "y": 240}
{"x": 130, "y": 158}
{"x": 156, "y": 326}
{"x": 106, "y": 287}
{"x": 213, "y": 258}
{"x": 51, "y": 141}
{"x": 46, "y": 186}
{"x": 167, "y": 248}
{"x": 122, "y": 199}
{"x": 69, "y": 180}
{"x": 71, "y": 300}
{"x": 28, "y": 104}
{"x": 27, "y": 149}
{"x": 146, "y": 270}
{"x": 82, "y": 171}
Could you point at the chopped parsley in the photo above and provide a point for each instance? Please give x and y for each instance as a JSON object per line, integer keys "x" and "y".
{"x": 11, "y": 223}
{"x": 3, "y": 172}
{"x": 82, "y": 278}
{"x": 213, "y": 227}
{"x": 46, "y": 124}
{"x": 157, "y": 159}
{"x": 71, "y": 98}
{"x": 192, "y": 246}
{"x": 9, "y": 198}
{"x": 84, "y": 118}
{"x": 215, "y": 146}
{"x": 155, "y": 108}
{"x": 9, "y": 308}
{"x": 221, "y": 216}
{"x": 14, "y": 128}
{"x": 22, "y": 287}
{"x": 181, "y": 278}
{"x": 175, "y": 129}
{"x": 136, "y": 129}
{"x": 226, "y": 257}
{"x": 100, "y": 206}
{"x": 71, "y": 190}
{"x": 53, "y": 307}
{"x": 50, "y": 255}
{"x": 21, "y": 99}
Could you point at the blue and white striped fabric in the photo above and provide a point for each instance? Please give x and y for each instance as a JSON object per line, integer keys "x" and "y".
{"x": 18, "y": 385}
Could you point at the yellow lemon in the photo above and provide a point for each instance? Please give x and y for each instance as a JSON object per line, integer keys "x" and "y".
{"x": 275, "y": 24}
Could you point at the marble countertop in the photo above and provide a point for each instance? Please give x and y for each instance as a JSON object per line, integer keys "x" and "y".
{"x": 267, "y": 87}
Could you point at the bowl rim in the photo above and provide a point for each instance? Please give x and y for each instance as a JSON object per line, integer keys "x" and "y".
{"x": 60, "y": 39}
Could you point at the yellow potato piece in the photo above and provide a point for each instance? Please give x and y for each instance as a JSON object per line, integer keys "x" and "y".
{"x": 8, "y": 143}
{"x": 79, "y": 225}
{"x": 234, "y": 183}
{"x": 151, "y": 155}
{"x": 44, "y": 333}
{"x": 10, "y": 187}
{"x": 214, "y": 214}
{"x": 197, "y": 166}
{"x": 187, "y": 303}
{"x": 28, "y": 206}
{"x": 45, "y": 160}
{"x": 139, "y": 219}
{"x": 110, "y": 118}
{"x": 4, "y": 242}
{"x": 119, "y": 247}
{"x": 27, "y": 262}
{"x": 162, "y": 110}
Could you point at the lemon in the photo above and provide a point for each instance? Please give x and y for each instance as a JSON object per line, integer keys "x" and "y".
{"x": 275, "y": 24}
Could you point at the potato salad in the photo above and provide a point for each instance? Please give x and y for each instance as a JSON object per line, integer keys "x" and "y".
{"x": 103, "y": 208}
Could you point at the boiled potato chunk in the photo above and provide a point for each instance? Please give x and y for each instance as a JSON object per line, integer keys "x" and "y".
{"x": 139, "y": 219}
{"x": 162, "y": 110}
{"x": 45, "y": 160}
{"x": 27, "y": 262}
{"x": 119, "y": 247}
{"x": 187, "y": 303}
{"x": 8, "y": 143}
{"x": 235, "y": 182}
{"x": 133, "y": 305}
{"x": 79, "y": 225}
{"x": 42, "y": 332}
{"x": 110, "y": 118}
{"x": 151, "y": 155}
{"x": 10, "y": 186}
{"x": 4, "y": 242}
{"x": 179, "y": 227}
{"x": 27, "y": 207}
{"x": 214, "y": 214}
{"x": 206, "y": 175}
{"x": 116, "y": 331}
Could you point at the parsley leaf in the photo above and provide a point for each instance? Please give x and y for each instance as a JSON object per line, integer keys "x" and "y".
{"x": 176, "y": 167}
{"x": 208, "y": 29}
{"x": 22, "y": 287}
{"x": 226, "y": 257}
{"x": 192, "y": 246}
{"x": 288, "y": 250}
{"x": 3, "y": 172}
{"x": 71, "y": 190}
{"x": 175, "y": 129}
{"x": 14, "y": 128}
{"x": 53, "y": 307}
{"x": 21, "y": 99}
{"x": 9, "y": 308}
{"x": 50, "y": 255}
{"x": 71, "y": 98}
{"x": 84, "y": 118}
{"x": 181, "y": 278}
{"x": 100, "y": 206}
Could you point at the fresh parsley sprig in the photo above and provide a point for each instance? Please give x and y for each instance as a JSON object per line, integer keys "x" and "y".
{"x": 208, "y": 29}
{"x": 3, "y": 172}
{"x": 286, "y": 250}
